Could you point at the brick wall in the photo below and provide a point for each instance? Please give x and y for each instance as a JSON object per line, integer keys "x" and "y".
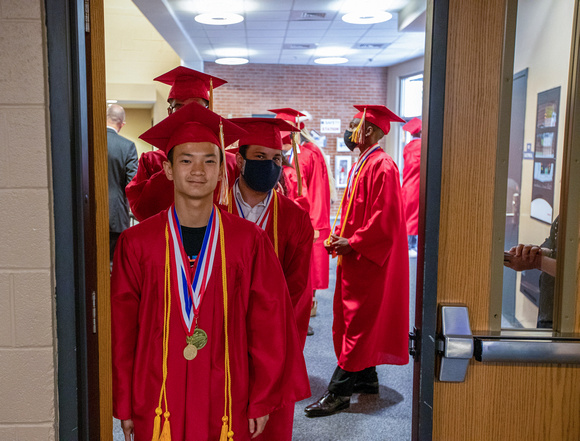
{"x": 327, "y": 92}
{"x": 27, "y": 351}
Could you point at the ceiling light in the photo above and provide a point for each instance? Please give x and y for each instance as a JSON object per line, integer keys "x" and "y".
{"x": 331, "y": 60}
{"x": 332, "y": 51}
{"x": 111, "y": 101}
{"x": 219, "y": 18}
{"x": 367, "y": 17}
{"x": 232, "y": 61}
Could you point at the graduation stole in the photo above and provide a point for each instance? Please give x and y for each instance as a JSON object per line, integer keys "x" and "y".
{"x": 191, "y": 294}
{"x": 270, "y": 209}
{"x": 290, "y": 155}
{"x": 353, "y": 178}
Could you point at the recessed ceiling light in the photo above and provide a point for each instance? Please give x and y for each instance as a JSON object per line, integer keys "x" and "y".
{"x": 219, "y": 18}
{"x": 331, "y": 60}
{"x": 232, "y": 61}
{"x": 367, "y": 17}
{"x": 111, "y": 101}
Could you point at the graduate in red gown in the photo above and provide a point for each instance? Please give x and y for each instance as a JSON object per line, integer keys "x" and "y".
{"x": 371, "y": 299}
{"x": 150, "y": 191}
{"x": 291, "y": 176}
{"x": 203, "y": 335}
{"x": 313, "y": 166}
{"x": 288, "y": 226}
{"x": 411, "y": 180}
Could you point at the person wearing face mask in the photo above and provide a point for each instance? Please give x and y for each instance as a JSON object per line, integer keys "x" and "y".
{"x": 288, "y": 226}
{"x": 150, "y": 192}
{"x": 371, "y": 298}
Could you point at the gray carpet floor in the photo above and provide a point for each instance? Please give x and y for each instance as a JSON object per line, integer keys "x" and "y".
{"x": 382, "y": 417}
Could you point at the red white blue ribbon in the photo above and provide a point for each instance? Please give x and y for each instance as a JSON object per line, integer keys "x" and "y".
{"x": 262, "y": 221}
{"x": 191, "y": 291}
{"x": 358, "y": 166}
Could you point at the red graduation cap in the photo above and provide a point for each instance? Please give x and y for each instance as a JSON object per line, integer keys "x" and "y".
{"x": 188, "y": 83}
{"x": 413, "y": 126}
{"x": 380, "y": 116}
{"x": 193, "y": 123}
{"x": 263, "y": 131}
{"x": 288, "y": 114}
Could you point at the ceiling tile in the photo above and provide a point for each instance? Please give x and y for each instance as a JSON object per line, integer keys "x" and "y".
{"x": 293, "y": 33}
{"x": 267, "y": 15}
{"x": 263, "y": 24}
{"x": 276, "y": 42}
{"x": 220, "y": 33}
{"x": 306, "y": 25}
{"x": 281, "y": 33}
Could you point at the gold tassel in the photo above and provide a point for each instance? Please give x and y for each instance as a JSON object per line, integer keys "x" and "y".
{"x": 211, "y": 94}
{"x": 224, "y": 184}
{"x": 166, "y": 433}
{"x": 358, "y": 134}
{"x": 224, "y": 433}
{"x": 157, "y": 424}
{"x": 293, "y": 136}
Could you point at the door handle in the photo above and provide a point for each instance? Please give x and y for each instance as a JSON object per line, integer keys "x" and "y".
{"x": 456, "y": 345}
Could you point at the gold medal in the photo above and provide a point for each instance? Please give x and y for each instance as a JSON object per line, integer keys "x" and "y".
{"x": 190, "y": 352}
{"x": 199, "y": 338}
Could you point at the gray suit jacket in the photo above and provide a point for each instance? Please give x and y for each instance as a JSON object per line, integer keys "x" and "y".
{"x": 122, "y": 168}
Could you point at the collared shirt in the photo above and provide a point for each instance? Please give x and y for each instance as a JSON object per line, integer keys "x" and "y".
{"x": 250, "y": 213}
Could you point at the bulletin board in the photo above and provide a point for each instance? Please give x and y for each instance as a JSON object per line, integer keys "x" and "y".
{"x": 547, "y": 119}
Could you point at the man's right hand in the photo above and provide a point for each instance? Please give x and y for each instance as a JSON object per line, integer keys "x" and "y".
{"x": 127, "y": 426}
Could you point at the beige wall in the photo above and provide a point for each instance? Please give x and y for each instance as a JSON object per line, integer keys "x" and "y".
{"x": 543, "y": 36}
{"x": 137, "y": 122}
{"x": 27, "y": 343}
{"x": 394, "y": 75}
{"x": 135, "y": 53}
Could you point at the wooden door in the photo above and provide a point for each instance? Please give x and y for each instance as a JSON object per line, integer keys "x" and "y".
{"x": 461, "y": 248}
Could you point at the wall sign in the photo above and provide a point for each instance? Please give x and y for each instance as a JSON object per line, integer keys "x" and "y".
{"x": 330, "y": 126}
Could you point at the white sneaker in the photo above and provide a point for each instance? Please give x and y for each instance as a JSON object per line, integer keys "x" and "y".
{"x": 412, "y": 254}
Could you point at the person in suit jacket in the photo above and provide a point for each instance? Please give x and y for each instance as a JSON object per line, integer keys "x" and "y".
{"x": 123, "y": 162}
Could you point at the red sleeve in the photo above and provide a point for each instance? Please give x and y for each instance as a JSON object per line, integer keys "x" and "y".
{"x": 297, "y": 258}
{"x": 277, "y": 368}
{"x": 374, "y": 240}
{"x": 150, "y": 192}
{"x": 125, "y": 298}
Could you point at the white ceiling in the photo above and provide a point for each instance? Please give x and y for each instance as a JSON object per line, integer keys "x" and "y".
{"x": 274, "y": 31}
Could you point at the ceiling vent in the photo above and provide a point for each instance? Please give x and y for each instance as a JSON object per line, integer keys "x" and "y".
{"x": 300, "y": 46}
{"x": 370, "y": 46}
{"x": 309, "y": 16}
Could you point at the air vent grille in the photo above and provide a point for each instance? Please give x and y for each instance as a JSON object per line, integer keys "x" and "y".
{"x": 370, "y": 46}
{"x": 300, "y": 46}
{"x": 310, "y": 16}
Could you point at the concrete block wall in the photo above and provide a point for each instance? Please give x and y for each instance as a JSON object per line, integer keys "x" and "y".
{"x": 27, "y": 344}
{"x": 327, "y": 92}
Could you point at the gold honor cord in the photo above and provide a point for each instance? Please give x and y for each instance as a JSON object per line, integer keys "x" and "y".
{"x": 275, "y": 220}
{"x": 166, "y": 433}
{"x": 354, "y": 187}
{"x": 226, "y": 432}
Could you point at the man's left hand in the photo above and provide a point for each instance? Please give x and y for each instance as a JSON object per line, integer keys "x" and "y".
{"x": 258, "y": 425}
{"x": 341, "y": 245}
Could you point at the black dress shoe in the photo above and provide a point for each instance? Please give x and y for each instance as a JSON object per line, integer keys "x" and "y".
{"x": 329, "y": 404}
{"x": 363, "y": 387}
{"x": 310, "y": 330}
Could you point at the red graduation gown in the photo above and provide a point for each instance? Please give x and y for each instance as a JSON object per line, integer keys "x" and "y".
{"x": 291, "y": 181}
{"x": 150, "y": 192}
{"x": 295, "y": 235}
{"x": 371, "y": 300}
{"x": 411, "y": 187}
{"x": 319, "y": 193}
{"x": 264, "y": 346}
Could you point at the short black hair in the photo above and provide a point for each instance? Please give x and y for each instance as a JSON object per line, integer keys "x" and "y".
{"x": 170, "y": 155}
{"x": 243, "y": 150}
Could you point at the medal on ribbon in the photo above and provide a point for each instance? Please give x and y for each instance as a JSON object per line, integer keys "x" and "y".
{"x": 191, "y": 291}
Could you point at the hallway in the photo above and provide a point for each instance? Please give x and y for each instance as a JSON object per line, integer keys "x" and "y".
{"x": 386, "y": 417}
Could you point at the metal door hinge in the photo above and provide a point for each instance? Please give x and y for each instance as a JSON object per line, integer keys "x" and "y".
{"x": 414, "y": 343}
{"x": 94, "y": 312}
{"x": 87, "y": 16}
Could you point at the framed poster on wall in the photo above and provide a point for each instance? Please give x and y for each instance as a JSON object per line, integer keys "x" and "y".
{"x": 547, "y": 118}
{"x": 341, "y": 168}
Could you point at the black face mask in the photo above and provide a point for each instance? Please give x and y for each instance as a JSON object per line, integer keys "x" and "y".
{"x": 261, "y": 175}
{"x": 347, "y": 141}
